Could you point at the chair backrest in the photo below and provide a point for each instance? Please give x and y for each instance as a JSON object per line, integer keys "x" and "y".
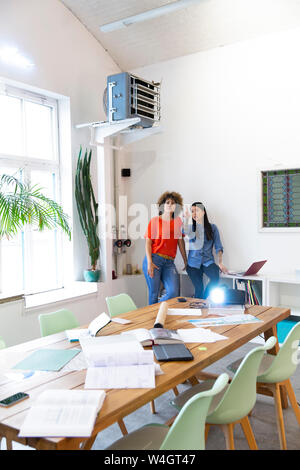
{"x": 188, "y": 430}
{"x": 121, "y": 303}
{"x": 55, "y": 322}
{"x": 240, "y": 396}
{"x": 286, "y": 361}
{"x": 2, "y": 343}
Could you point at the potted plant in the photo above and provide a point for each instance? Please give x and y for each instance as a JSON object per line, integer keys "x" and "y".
{"x": 22, "y": 204}
{"x": 88, "y": 212}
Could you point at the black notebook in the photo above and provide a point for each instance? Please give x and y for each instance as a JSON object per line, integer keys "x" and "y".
{"x": 172, "y": 352}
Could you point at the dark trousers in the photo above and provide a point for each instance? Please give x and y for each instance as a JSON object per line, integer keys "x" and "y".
{"x": 196, "y": 276}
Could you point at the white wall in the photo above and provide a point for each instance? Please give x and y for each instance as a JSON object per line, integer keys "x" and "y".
{"x": 226, "y": 113}
{"x": 68, "y": 61}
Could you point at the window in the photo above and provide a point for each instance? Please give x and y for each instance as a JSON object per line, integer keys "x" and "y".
{"x": 29, "y": 149}
{"x": 281, "y": 198}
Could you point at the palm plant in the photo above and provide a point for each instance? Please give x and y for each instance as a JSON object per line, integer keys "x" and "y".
{"x": 87, "y": 206}
{"x": 22, "y": 204}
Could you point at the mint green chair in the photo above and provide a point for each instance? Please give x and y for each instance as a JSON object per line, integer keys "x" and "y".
{"x": 121, "y": 303}
{"x": 233, "y": 405}
{"x": 56, "y": 322}
{"x": 187, "y": 431}
{"x": 2, "y": 343}
{"x": 275, "y": 372}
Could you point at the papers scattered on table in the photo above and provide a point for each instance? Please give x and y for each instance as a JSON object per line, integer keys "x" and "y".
{"x": 118, "y": 361}
{"x": 199, "y": 335}
{"x": 185, "y": 311}
{"x": 63, "y": 413}
{"x": 227, "y": 320}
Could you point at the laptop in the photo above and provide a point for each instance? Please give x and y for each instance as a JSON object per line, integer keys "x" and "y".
{"x": 252, "y": 270}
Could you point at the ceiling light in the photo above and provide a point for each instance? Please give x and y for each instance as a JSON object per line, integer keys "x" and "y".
{"x": 147, "y": 15}
{"x": 12, "y": 56}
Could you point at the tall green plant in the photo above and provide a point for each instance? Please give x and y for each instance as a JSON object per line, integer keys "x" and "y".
{"x": 22, "y": 204}
{"x": 87, "y": 206}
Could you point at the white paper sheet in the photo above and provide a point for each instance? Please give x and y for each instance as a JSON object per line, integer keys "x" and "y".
{"x": 137, "y": 376}
{"x": 199, "y": 335}
{"x": 122, "y": 321}
{"x": 94, "y": 348}
{"x": 185, "y": 311}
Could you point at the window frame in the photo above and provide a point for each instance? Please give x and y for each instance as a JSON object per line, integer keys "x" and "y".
{"x": 29, "y": 163}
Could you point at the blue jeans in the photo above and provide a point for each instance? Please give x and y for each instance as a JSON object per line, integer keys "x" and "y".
{"x": 196, "y": 276}
{"x": 166, "y": 273}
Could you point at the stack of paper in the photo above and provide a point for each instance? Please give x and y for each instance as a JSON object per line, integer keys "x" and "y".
{"x": 63, "y": 413}
{"x": 117, "y": 362}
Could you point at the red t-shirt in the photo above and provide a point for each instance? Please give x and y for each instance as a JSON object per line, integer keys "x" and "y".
{"x": 164, "y": 235}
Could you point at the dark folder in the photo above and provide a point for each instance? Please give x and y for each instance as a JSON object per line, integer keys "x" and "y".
{"x": 172, "y": 352}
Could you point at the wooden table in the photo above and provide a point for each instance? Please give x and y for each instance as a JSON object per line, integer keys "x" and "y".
{"x": 120, "y": 403}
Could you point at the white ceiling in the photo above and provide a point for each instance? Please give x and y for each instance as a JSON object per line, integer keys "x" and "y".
{"x": 210, "y": 24}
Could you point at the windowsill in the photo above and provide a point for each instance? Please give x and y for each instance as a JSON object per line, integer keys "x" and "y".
{"x": 11, "y": 297}
{"x": 71, "y": 292}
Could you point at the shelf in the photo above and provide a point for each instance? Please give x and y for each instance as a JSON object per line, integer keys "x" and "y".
{"x": 251, "y": 278}
{"x": 126, "y": 128}
{"x": 284, "y": 278}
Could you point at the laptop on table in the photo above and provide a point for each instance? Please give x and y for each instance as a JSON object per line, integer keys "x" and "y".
{"x": 252, "y": 270}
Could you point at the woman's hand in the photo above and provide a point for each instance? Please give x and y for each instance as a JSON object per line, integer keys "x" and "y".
{"x": 151, "y": 267}
{"x": 223, "y": 268}
{"x": 187, "y": 214}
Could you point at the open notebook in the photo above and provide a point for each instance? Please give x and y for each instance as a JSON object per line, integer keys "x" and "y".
{"x": 63, "y": 413}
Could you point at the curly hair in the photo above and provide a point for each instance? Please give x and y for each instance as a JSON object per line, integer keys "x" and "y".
{"x": 176, "y": 197}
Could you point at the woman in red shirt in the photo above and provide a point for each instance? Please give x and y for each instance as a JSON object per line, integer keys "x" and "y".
{"x": 163, "y": 235}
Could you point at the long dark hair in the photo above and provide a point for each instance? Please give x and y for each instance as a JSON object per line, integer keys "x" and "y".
{"x": 207, "y": 226}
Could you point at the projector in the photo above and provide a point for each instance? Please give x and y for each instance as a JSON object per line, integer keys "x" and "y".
{"x": 127, "y": 96}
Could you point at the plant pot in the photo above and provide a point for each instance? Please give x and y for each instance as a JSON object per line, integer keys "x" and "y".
{"x": 91, "y": 276}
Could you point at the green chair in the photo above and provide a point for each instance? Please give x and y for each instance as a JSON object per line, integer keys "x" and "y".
{"x": 187, "y": 432}
{"x": 56, "y": 322}
{"x": 275, "y": 372}
{"x": 236, "y": 401}
{"x": 121, "y": 303}
{"x": 274, "y": 376}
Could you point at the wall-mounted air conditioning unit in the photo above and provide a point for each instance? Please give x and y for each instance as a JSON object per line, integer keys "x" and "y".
{"x": 128, "y": 96}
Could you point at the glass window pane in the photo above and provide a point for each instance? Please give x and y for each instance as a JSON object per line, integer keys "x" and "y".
{"x": 12, "y": 265}
{"x": 43, "y": 266}
{"x": 12, "y": 254}
{"x": 39, "y": 131}
{"x": 11, "y": 131}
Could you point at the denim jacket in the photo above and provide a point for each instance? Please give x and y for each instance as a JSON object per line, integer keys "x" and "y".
{"x": 200, "y": 248}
